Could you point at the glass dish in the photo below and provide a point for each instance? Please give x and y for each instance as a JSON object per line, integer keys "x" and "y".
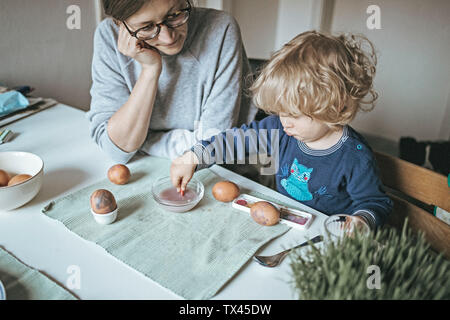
{"x": 341, "y": 225}
{"x": 167, "y": 198}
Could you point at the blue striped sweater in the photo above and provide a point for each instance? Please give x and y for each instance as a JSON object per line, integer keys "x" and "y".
{"x": 340, "y": 179}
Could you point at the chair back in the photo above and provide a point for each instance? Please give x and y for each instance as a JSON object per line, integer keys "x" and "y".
{"x": 411, "y": 185}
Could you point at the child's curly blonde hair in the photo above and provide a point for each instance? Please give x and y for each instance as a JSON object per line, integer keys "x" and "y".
{"x": 327, "y": 78}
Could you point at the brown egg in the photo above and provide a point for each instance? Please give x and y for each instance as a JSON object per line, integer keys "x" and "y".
{"x": 119, "y": 174}
{"x": 18, "y": 179}
{"x": 264, "y": 213}
{"x": 4, "y": 178}
{"x": 103, "y": 201}
{"x": 225, "y": 191}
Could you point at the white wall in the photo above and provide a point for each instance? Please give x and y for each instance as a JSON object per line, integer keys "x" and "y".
{"x": 225, "y": 5}
{"x": 294, "y": 17}
{"x": 267, "y": 24}
{"x": 258, "y": 22}
{"x": 37, "y": 49}
{"x": 413, "y": 76}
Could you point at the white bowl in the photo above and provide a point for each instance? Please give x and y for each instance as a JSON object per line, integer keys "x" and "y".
{"x": 16, "y": 162}
{"x": 105, "y": 218}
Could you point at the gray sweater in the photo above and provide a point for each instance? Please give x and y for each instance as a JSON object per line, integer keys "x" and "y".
{"x": 200, "y": 90}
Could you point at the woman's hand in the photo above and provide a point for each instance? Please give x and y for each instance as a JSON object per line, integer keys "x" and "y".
{"x": 146, "y": 55}
{"x": 182, "y": 170}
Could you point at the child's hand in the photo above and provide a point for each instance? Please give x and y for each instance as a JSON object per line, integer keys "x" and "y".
{"x": 356, "y": 223}
{"x": 182, "y": 170}
{"x": 361, "y": 223}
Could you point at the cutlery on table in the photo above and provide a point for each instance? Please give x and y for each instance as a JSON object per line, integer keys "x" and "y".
{"x": 275, "y": 260}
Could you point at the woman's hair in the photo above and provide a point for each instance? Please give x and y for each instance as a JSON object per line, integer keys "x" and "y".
{"x": 325, "y": 77}
{"x": 121, "y": 10}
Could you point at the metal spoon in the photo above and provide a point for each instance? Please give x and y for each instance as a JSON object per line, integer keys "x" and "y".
{"x": 275, "y": 260}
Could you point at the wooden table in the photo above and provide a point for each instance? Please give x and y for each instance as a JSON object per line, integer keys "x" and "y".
{"x": 60, "y": 136}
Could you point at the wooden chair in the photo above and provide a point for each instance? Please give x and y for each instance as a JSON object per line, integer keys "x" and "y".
{"x": 408, "y": 181}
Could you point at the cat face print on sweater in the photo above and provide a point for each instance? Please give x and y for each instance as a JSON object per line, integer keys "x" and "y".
{"x": 296, "y": 185}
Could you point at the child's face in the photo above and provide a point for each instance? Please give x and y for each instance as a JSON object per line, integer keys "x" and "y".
{"x": 303, "y": 128}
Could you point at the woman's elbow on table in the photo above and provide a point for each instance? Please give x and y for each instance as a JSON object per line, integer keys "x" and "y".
{"x": 105, "y": 143}
{"x": 115, "y": 153}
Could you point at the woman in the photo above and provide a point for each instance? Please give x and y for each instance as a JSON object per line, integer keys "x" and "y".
{"x": 165, "y": 75}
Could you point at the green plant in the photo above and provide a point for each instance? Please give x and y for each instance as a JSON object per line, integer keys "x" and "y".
{"x": 408, "y": 269}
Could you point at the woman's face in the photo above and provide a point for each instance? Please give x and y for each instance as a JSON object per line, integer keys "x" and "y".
{"x": 168, "y": 41}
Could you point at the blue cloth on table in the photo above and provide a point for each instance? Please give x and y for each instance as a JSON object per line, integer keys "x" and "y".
{"x": 12, "y": 101}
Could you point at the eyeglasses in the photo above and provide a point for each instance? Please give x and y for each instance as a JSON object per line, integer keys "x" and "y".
{"x": 172, "y": 21}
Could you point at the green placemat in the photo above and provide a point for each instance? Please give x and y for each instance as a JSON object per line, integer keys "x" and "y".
{"x": 24, "y": 283}
{"x": 193, "y": 254}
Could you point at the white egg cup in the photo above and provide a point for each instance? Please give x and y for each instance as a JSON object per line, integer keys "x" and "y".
{"x": 106, "y": 218}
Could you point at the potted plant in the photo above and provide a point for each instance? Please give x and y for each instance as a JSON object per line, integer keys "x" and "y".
{"x": 385, "y": 265}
